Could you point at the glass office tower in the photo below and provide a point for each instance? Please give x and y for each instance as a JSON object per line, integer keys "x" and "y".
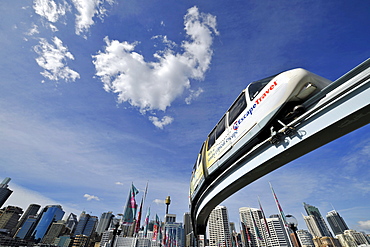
{"x": 50, "y": 214}
{"x": 4, "y": 191}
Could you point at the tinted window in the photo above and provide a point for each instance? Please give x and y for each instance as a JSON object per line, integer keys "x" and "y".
{"x": 255, "y": 87}
{"x": 237, "y": 108}
{"x": 220, "y": 128}
{"x": 211, "y": 139}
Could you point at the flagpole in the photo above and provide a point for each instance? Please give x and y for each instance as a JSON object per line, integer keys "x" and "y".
{"x": 254, "y": 226}
{"x": 282, "y": 215}
{"x": 266, "y": 224}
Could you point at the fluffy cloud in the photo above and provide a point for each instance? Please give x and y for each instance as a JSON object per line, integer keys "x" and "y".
{"x": 365, "y": 225}
{"x": 155, "y": 85}
{"x": 53, "y": 60}
{"x": 161, "y": 123}
{"x": 50, "y": 10}
{"x": 87, "y": 9}
{"x": 91, "y": 197}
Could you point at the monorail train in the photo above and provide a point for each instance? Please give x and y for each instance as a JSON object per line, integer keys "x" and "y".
{"x": 251, "y": 119}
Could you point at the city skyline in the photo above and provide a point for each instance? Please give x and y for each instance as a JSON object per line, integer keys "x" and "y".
{"x": 256, "y": 228}
{"x": 95, "y": 97}
{"x": 311, "y": 210}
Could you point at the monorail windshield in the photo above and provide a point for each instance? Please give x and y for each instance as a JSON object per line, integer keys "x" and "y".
{"x": 256, "y": 86}
{"x": 237, "y": 108}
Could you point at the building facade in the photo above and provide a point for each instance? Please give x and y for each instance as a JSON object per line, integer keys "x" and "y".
{"x": 31, "y": 211}
{"x": 4, "y": 191}
{"x": 104, "y": 222}
{"x": 50, "y": 214}
{"x": 336, "y": 222}
{"x": 322, "y": 228}
{"x": 305, "y": 238}
{"x": 9, "y": 217}
{"x": 219, "y": 228}
{"x": 86, "y": 224}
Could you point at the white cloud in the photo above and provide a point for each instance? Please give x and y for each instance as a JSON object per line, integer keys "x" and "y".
{"x": 118, "y": 183}
{"x": 193, "y": 95}
{"x": 161, "y": 123}
{"x": 53, "y": 60}
{"x": 365, "y": 225}
{"x": 91, "y": 197}
{"x": 33, "y": 30}
{"x": 158, "y": 201}
{"x": 155, "y": 85}
{"x": 87, "y": 10}
{"x": 50, "y": 10}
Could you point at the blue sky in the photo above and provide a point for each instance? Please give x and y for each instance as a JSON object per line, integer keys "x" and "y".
{"x": 95, "y": 95}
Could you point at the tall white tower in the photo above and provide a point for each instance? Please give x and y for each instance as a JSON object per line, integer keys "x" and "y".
{"x": 219, "y": 228}
{"x": 254, "y": 228}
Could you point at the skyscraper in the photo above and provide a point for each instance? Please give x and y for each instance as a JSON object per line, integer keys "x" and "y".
{"x": 219, "y": 227}
{"x": 9, "y": 217}
{"x": 254, "y": 233}
{"x": 27, "y": 228}
{"x": 86, "y": 224}
{"x": 278, "y": 233}
{"x": 104, "y": 222}
{"x": 31, "y": 211}
{"x": 71, "y": 222}
{"x": 4, "y": 191}
{"x": 50, "y": 214}
{"x": 336, "y": 222}
{"x": 319, "y": 220}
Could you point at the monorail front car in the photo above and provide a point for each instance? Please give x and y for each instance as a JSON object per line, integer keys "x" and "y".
{"x": 250, "y": 119}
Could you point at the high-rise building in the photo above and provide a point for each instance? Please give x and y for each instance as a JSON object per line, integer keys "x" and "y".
{"x": 50, "y": 214}
{"x": 71, "y": 222}
{"x": 31, "y": 211}
{"x": 253, "y": 235}
{"x": 56, "y": 229}
{"x": 352, "y": 238}
{"x": 336, "y": 222}
{"x": 9, "y": 217}
{"x": 319, "y": 220}
{"x": 219, "y": 227}
{"x": 4, "y": 191}
{"x": 312, "y": 226}
{"x": 305, "y": 238}
{"x": 27, "y": 228}
{"x": 188, "y": 231}
{"x": 86, "y": 224}
{"x": 104, "y": 222}
{"x": 277, "y": 234}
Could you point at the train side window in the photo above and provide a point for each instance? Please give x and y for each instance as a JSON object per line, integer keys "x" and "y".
{"x": 220, "y": 127}
{"x": 211, "y": 139}
{"x": 237, "y": 108}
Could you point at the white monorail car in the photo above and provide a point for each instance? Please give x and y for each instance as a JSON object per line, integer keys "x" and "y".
{"x": 250, "y": 120}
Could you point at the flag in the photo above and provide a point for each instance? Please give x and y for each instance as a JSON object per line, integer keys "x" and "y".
{"x": 155, "y": 228}
{"x": 146, "y": 223}
{"x": 264, "y": 218}
{"x": 279, "y": 207}
{"x": 137, "y": 226}
{"x": 255, "y": 227}
{"x": 246, "y": 232}
{"x": 131, "y": 206}
{"x": 138, "y": 222}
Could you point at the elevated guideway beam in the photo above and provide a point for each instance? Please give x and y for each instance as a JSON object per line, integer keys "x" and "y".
{"x": 342, "y": 107}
